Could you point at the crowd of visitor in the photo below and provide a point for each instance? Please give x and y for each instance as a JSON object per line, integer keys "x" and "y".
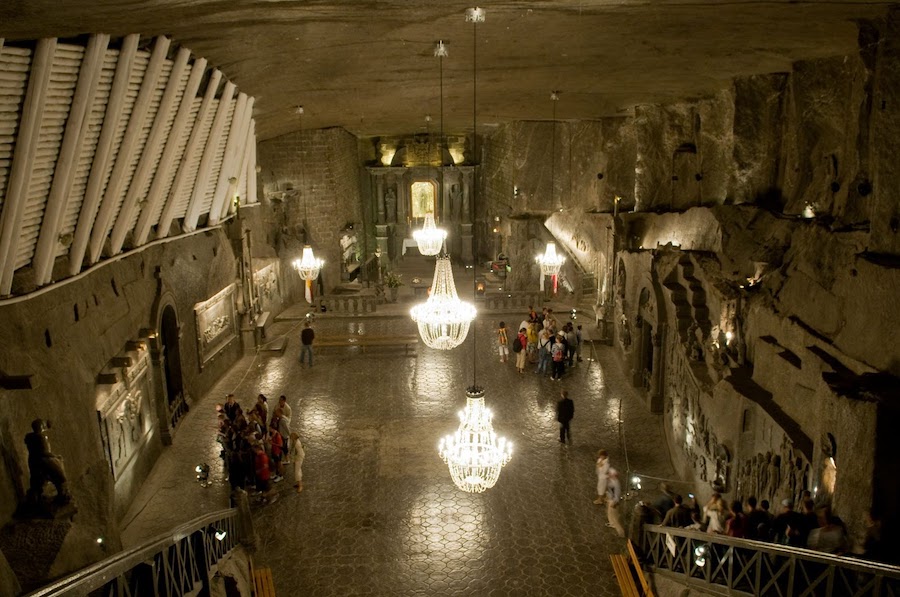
{"x": 256, "y": 446}
{"x": 813, "y": 526}
{"x": 542, "y": 342}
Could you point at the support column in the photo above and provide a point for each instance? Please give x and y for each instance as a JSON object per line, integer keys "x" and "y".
{"x": 379, "y": 197}
{"x": 160, "y": 390}
{"x": 637, "y": 354}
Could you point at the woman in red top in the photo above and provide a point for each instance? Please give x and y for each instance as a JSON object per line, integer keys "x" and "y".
{"x": 520, "y": 356}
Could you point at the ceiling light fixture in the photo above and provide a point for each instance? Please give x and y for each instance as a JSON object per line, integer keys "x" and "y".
{"x": 550, "y": 261}
{"x": 430, "y": 238}
{"x": 475, "y": 454}
{"x": 308, "y": 266}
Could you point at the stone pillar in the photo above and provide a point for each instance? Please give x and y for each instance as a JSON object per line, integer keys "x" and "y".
{"x": 160, "y": 391}
{"x": 379, "y": 198}
{"x": 637, "y": 353}
{"x": 467, "y": 195}
{"x": 657, "y": 376}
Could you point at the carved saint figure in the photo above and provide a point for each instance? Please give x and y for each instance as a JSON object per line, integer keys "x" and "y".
{"x": 390, "y": 203}
{"x": 44, "y": 465}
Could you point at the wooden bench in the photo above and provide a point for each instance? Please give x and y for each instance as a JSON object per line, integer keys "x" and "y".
{"x": 629, "y": 574}
{"x": 365, "y": 341}
{"x": 263, "y": 584}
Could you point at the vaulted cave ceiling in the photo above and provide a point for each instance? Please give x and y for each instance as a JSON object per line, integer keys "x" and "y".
{"x": 368, "y": 66}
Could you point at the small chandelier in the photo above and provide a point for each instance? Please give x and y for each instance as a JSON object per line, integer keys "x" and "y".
{"x": 430, "y": 238}
{"x": 550, "y": 261}
{"x": 474, "y": 453}
{"x": 443, "y": 319}
{"x": 309, "y": 265}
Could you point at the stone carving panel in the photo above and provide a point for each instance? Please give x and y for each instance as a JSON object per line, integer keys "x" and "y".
{"x": 710, "y": 459}
{"x": 123, "y": 412}
{"x": 216, "y": 324}
{"x": 265, "y": 281}
{"x": 774, "y": 476}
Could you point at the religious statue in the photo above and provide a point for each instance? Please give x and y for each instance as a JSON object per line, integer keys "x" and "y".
{"x": 44, "y": 465}
{"x": 455, "y": 201}
{"x": 390, "y": 202}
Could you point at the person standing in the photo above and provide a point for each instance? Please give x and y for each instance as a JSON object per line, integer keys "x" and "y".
{"x": 613, "y": 499}
{"x": 543, "y": 352}
{"x": 297, "y": 455}
{"x": 579, "y": 340}
{"x": 306, "y": 343}
{"x": 502, "y": 342}
{"x": 531, "y": 332}
{"x": 602, "y": 476}
{"x": 558, "y": 354}
{"x": 522, "y": 339}
{"x": 565, "y": 412}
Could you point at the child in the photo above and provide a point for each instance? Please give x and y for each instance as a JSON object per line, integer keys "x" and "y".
{"x": 502, "y": 342}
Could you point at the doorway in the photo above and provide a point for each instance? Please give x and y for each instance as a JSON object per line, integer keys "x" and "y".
{"x": 169, "y": 336}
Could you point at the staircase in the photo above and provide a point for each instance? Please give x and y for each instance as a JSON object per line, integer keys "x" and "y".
{"x": 689, "y": 298}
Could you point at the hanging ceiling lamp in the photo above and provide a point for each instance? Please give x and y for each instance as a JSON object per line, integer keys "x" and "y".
{"x": 474, "y": 454}
{"x": 550, "y": 261}
{"x": 443, "y": 319}
{"x": 308, "y": 266}
{"x": 431, "y": 238}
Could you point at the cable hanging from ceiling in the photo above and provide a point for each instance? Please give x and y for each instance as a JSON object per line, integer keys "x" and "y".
{"x": 475, "y": 454}
{"x": 308, "y": 265}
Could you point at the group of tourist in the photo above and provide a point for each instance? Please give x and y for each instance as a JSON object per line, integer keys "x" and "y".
{"x": 541, "y": 341}
{"x": 257, "y": 445}
{"x": 814, "y": 526}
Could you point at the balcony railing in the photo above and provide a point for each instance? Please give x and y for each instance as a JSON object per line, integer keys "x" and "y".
{"x": 177, "y": 563}
{"x": 728, "y": 566}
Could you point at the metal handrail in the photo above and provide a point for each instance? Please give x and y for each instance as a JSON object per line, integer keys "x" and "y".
{"x": 732, "y": 566}
{"x": 175, "y": 560}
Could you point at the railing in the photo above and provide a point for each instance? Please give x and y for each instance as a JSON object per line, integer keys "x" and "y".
{"x": 176, "y": 563}
{"x": 511, "y": 300}
{"x": 728, "y": 566}
{"x": 354, "y": 304}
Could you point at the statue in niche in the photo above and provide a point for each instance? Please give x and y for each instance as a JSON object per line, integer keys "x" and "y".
{"x": 800, "y": 478}
{"x": 390, "y": 204}
{"x": 455, "y": 201}
{"x": 703, "y": 474}
{"x": 44, "y": 466}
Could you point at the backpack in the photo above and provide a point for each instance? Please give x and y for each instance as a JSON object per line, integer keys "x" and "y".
{"x": 517, "y": 345}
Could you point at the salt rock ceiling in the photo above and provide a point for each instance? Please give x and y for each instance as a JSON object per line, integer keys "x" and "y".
{"x": 368, "y": 66}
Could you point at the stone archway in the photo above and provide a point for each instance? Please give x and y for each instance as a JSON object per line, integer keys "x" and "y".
{"x": 165, "y": 352}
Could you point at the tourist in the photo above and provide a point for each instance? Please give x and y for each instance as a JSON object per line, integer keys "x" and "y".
{"x": 532, "y": 314}
{"x": 664, "y": 502}
{"x": 297, "y": 455}
{"x": 714, "y": 514}
{"x": 679, "y": 515}
{"x": 262, "y": 409}
{"x": 261, "y": 468}
{"x": 231, "y": 407}
{"x": 571, "y": 344}
{"x": 810, "y": 520}
{"x": 543, "y": 351}
{"x": 276, "y": 446}
{"x": 531, "y": 332}
{"x": 522, "y": 339}
{"x": 286, "y": 410}
{"x": 602, "y": 467}
{"x": 736, "y": 525}
{"x": 558, "y": 354}
{"x": 766, "y": 532}
{"x": 306, "y": 343}
{"x": 613, "y": 499}
{"x": 579, "y": 340}
{"x": 787, "y": 525}
{"x": 502, "y": 342}
{"x": 830, "y": 537}
{"x": 757, "y": 521}
{"x": 565, "y": 412}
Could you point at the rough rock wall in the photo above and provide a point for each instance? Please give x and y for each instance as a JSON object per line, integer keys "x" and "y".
{"x": 64, "y": 337}
{"x": 319, "y": 173}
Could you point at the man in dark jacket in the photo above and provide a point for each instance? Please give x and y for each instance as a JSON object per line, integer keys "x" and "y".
{"x": 306, "y": 340}
{"x": 679, "y": 515}
{"x": 565, "y": 412}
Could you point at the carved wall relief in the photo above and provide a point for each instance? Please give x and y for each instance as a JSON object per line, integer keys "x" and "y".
{"x": 123, "y": 409}
{"x": 265, "y": 281}
{"x": 774, "y": 476}
{"x": 215, "y": 323}
{"x": 710, "y": 459}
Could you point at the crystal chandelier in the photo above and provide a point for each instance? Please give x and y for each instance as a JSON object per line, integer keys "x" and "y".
{"x": 309, "y": 265}
{"x": 550, "y": 261}
{"x": 430, "y": 238}
{"x": 443, "y": 319}
{"x": 474, "y": 453}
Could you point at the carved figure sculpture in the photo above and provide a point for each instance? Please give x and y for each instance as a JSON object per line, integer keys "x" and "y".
{"x": 44, "y": 465}
{"x": 390, "y": 202}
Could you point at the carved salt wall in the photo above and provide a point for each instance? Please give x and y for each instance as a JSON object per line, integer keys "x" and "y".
{"x": 216, "y": 324}
{"x": 124, "y": 413}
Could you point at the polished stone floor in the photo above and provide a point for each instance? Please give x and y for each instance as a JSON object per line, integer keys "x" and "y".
{"x": 379, "y": 514}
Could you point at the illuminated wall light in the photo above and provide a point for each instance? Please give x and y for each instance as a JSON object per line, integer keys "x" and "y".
{"x": 220, "y": 534}
{"x": 809, "y": 211}
{"x": 728, "y": 337}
